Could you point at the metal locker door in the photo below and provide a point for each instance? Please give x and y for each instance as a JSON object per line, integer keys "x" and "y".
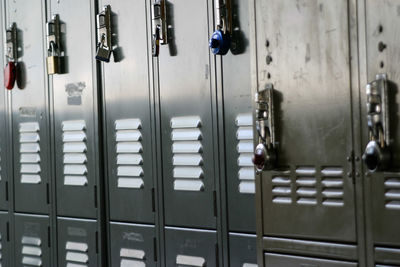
{"x": 187, "y": 117}
{"x": 132, "y": 245}
{"x": 77, "y": 242}
{"x": 31, "y": 141}
{"x": 382, "y": 188}
{"x": 128, "y": 115}
{"x": 75, "y": 112}
{"x": 279, "y": 260}
{"x": 303, "y": 49}
{"x": 237, "y": 83}
{"x": 5, "y": 256}
{"x": 242, "y": 250}
{"x": 32, "y": 240}
{"x": 190, "y": 247}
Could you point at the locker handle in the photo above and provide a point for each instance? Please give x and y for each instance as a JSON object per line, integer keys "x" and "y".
{"x": 265, "y": 153}
{"x": 377, "y": 155}
{"x": 10, "y": 70}
{"x": 220, "y": 40}
{"x": 159, "y": 26}
{"x": 190, "y": 261}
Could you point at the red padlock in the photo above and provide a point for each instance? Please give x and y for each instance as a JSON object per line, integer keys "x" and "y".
{"x": 9, "y": 75}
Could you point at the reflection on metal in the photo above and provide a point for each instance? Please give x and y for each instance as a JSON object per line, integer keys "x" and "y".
{"x": 104, "y": 45}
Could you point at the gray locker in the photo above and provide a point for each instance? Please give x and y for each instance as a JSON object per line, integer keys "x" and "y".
{"x": 382, "y": 188}
{"x": 242, "y": 250}
{"x": 132, "y": 245}
{"x": 128, "y": 116}
{"x": 29, "y": 108}
{"x": 237, "y": 83}
{"x": 32, "y": 240}
{"x": 77, "y": 242}
{"x": 5, "y": 249}
{"x": 3, "y": 145}
{"x": 190, "y": 247}
{"x": 75, "y": 112}
{"x": 186, "y": 109}
{"x": 303, "y": 49}
{"x": 279, "y": 260}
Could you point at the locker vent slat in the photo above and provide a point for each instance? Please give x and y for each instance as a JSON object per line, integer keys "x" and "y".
{"x": 190, "y": 261}
{"x": 132, "y": 257}
{"x": 31, "y": 251}
{"x": 306, "y": 192}
{"x": 332, "y": 186}
{"x": 392, "y": 193}
{"x": 129, "y": 150}
{"x": 74, "y": 153}
{"x": 29, "y": 140}
{"x": 77, "y": 254}
{"x": 187, "y": 151}
{"x": 244, "y": 147}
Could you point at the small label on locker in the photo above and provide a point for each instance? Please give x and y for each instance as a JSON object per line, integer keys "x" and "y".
{"x": 27, "y": 111}
{"x": 74, "y": 92}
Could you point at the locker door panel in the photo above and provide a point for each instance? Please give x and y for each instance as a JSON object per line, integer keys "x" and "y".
{"x": 4, "y": 240}
{"x": 128, "y": 117}
{"x": 132, "y": 245}
{"x": 278, "y": 260}
{"x": 77, "y": 242}
{"x": 304, "y": 52}
{"x": 242, "y": 250}
{"x": 186, "y": 117}
{"x": 75, "y": 117}
{"x": 29, "y": 108}
{"x": 190, "y": 247}
{"x": 32, "y": 245}
{"x": 238, "y": 120}
{"x": 3, "y": 134}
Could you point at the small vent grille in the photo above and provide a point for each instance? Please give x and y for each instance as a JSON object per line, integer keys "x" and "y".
{"x": 306, "y": 191}
{"x": 281, "y": 190}
{"x": 31, "y": 251}
{"x": 392, "y": 193}
{"x": 29, "y": 152}
{"x": 332, "y": 186}
{"x": 244, "y": 135}
{"x": 74, "y": 149}
{"x": 187, "y": 153}
{"x": 129, "y": 153}
{"x": 132, "y": 257}
{"x": 77, "y": 254}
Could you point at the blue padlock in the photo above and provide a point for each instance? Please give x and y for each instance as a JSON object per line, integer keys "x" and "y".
{"x": 220, "y": 42}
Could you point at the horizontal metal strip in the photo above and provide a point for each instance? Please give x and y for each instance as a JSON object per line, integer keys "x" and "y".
{"x": 185, "y": 122}
{"x": 387, "y": 255}
{"x": 128, "y": 124}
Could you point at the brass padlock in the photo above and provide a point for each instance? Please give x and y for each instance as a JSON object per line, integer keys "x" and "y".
{"x": 53, "y": 61}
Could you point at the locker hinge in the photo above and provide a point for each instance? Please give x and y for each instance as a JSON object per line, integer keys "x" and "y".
{"x": 352, "y": 173}
{"x": 215, "y": 203}
{"x": 155, "y": 249}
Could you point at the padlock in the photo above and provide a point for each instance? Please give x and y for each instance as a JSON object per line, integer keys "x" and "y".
{"x": 104, "y": 46}
{"x": 9, "y": 75}
{"x": 53, "y": 61}
{"x": 220, "y": 42}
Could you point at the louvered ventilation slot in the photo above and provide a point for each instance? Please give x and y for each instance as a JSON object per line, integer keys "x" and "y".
{"x": 306, "y": 190}
{"x": 31, "y": 251}
{"x": 29, "y": 152}
{"x": 332, "y": 186}
{"x": 281, "y": 189}
{"x": 74, "y": 149}
{"x": 77, "y": 254}
{"x": 244, "y": 135}
{"x": 132, "y": 257}
{"x": 392, "y": 193}
{"x": 187, "y": 153}
{"x": 129, "y": 153}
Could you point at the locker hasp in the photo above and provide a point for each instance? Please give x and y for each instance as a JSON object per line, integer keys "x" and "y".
{"x": 104, "y": 46}
{"x": 10, "y": 70}
{"x": 159, "y": 26}
{"x": 54, "y": 52}
{"x": 220, "y": 41}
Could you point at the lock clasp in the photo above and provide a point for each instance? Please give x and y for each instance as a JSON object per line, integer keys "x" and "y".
{"x": 159, "y": 26}
{"x": 54, "y": 49}
{"x": 104, "y": 45}
{"x": 10, "y": 71}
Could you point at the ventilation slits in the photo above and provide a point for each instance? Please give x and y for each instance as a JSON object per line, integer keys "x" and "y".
{"x": 132, "y": 257}
{"x": 306, "y": 190}
{"x": 29, "y": 141}
{"x": 31, "y": 251}
{"x": 129, "y": 153}
{"x": 74, "y": 149}
{"x": 244, "y": 136}
{"x": 392, "y": 193}
{"x": 332, "y": 186}
{"x": 187, "y": 151}
{"x": 77, "y": 254}
{"x": 281, "y": 190}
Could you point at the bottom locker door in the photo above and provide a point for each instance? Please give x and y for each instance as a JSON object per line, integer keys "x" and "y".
{"x": 280, "y": 260}
{"x": 190, "y": 247}
{"x": 132, "y": 245}
{"x": 242, "y": 250}
{"x": 77, "y": 242}
{"x": 32, "y": 240}
{"x": 4, "y": 240}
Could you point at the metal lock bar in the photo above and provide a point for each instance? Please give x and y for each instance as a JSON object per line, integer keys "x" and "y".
{"x": 104, "y": 46}
{"x": 54, "y": 51}
{"x": 11, "y": 43}
{"x": 159, "y": 26}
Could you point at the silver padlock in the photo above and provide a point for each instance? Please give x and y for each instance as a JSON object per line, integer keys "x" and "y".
{"x": 104, "y": 47}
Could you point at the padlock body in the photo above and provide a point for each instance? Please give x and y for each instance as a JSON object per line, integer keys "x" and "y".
{"x": 103, "y": 54}
{"x": 9, "y": 75}
{"x": 53, "y": 64}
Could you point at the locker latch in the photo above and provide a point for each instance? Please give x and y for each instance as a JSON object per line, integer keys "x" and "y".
{"x": 10, "y": 70}
{"x": 377, "y": 155}
{"x": 265, "y": 152}
{"x": 55, "y": 54}
{"x": 104, "y": 46}
{"x": 159, "y": 26}
{"x": 220, "y": 41}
